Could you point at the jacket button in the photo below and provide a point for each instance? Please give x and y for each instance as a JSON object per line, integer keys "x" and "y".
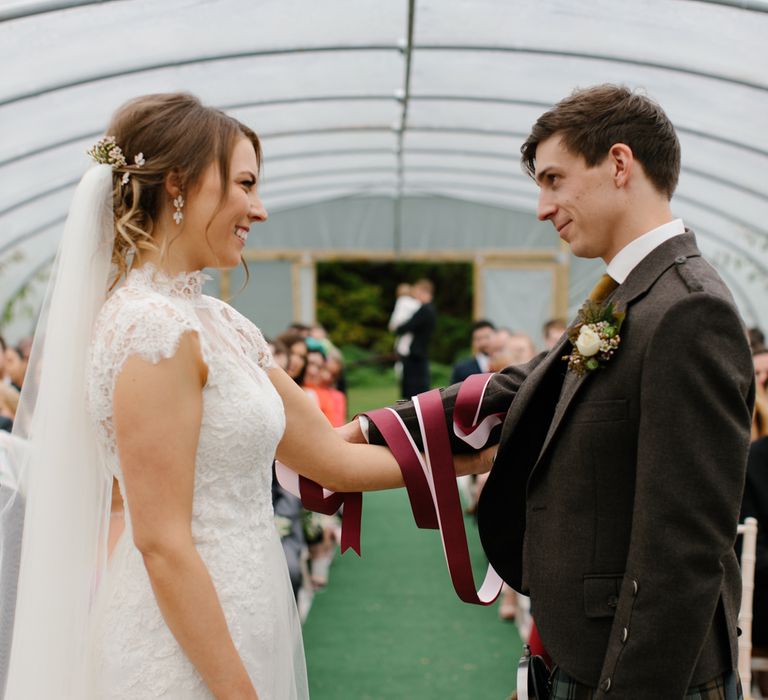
{"x": 680, "y": 259}
{"x": 624, "y": 635}
{"x": 605, "y": 686}
{"x": 613, "y": 601}
{"x": 634, "y": 587}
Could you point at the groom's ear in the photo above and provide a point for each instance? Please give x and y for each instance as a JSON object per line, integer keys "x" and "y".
{"x": 622, "y": 162}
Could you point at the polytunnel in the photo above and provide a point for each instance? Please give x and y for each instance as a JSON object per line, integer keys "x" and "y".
{"x": 391, "y": 130}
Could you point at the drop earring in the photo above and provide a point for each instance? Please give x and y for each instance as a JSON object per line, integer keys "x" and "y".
{"x": 178, "y": 217}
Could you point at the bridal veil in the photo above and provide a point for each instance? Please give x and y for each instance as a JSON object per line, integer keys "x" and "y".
{"x": 54, "y": 491}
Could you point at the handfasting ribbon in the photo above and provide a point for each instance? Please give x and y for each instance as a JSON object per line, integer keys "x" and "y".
{"x": 314, "y": 497}
{"x": 429, "y": 480}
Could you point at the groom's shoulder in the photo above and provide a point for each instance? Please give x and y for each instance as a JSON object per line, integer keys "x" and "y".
{"x": 689, "y": 277}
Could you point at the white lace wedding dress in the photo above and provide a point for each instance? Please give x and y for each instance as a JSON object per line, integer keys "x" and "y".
{"x": 134, "y": 654}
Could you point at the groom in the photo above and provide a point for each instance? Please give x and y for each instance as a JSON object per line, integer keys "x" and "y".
{"x": 615, "y": 493}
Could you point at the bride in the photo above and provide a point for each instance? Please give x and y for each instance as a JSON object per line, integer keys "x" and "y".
{"x": 173, "y": 397}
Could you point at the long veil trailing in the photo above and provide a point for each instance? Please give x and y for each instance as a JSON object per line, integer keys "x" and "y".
{"x": 54, "y": 490}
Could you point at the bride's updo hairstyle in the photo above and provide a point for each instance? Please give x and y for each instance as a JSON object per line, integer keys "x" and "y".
{"x": 157, "y": 135}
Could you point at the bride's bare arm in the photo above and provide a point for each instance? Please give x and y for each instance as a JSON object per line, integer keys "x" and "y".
{"x": 312, "y": 448}
{"x": 157, "y": 414}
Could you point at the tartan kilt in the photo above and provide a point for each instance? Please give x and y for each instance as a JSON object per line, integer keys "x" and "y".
{"x": 566, "y": 688}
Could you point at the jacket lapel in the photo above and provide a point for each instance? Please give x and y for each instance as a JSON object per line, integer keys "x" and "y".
{"x": 640, "y": 280}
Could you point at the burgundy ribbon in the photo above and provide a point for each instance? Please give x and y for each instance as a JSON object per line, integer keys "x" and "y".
{"x": 430, "y": 480}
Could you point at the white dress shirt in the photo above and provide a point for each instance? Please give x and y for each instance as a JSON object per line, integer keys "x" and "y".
{"x": 630, "y": 256}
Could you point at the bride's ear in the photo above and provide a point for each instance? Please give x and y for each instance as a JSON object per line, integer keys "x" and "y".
{"x": 173, "y": 184}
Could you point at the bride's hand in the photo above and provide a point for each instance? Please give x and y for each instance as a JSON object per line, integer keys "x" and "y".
{"x": 476, "y": 462}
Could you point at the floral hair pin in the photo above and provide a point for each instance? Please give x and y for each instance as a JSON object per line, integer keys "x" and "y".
{"x": 106, "y": 152}
{"x": 595, "y": 337}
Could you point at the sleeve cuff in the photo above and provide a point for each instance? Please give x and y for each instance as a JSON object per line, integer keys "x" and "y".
{"x": 363, "y": 420}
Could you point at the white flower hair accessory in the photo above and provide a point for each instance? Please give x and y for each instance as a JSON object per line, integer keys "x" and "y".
{"x": 106, "y": 152}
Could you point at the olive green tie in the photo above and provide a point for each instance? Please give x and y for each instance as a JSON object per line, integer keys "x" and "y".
{"x": 605, "y": 285}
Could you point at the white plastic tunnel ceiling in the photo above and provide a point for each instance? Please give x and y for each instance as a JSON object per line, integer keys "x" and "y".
{"x": 390, "y": 101}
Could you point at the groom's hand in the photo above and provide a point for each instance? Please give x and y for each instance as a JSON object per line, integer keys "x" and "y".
{"x": 351, "y": 432}
{"x": 475, "y": 462}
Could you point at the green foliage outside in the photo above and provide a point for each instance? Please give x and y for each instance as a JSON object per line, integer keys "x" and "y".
{"x": 355, "y": 299}
{"x": 372, "y": 385}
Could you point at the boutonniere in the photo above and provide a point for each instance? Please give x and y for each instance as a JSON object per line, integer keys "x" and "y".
{"x": 595, "y": 337}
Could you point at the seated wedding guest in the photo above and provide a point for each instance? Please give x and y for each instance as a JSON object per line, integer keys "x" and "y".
{"x": 552, "y": 331}
{"x": 301, "y": 328}
{"x": 517, "y": 349}
{"x": 329, "y": 377}
{"x": 297, "y": 354}
{"x": 760, "y": 359}
{"x": 318, "y": 332}
{"x": 9, "y": 401}
{"x": 760, "y": 413}
{"x": 503, "y": 334}
{"x": 16, "y": 366}
{"x": 3, "y": 348}
{"x": 25, "y": 346}
{"x": 279, "y": 353}
{"x": 312, "y": 383}
{"x": 289, "y": 524}
{"x": 521, "y": 348}
{"x": 483, "y": 341}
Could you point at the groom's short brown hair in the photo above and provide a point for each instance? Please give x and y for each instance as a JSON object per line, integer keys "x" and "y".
{"x": 591, "y": 120}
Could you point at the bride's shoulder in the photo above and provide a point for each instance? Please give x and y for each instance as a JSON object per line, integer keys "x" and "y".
{"x": 136, "y": 304}
{"x": 140, "y": 320}
{"x": 249, "y": 334}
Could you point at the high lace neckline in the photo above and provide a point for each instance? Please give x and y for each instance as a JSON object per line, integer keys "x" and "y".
{"x": 186, "y": 285}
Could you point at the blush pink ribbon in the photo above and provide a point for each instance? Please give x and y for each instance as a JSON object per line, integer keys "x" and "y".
{"x": 430, "y": 480}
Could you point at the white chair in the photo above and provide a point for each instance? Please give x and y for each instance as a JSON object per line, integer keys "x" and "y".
{"x": 748, "y": 531}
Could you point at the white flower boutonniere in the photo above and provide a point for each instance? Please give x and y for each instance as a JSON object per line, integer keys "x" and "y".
{"x": 595, "y": 337}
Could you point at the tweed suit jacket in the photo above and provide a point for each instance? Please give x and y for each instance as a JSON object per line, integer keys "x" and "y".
{"x": 614, "y": 497}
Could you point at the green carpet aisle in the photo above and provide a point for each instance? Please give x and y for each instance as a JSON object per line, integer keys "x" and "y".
{"x": 390, "y": 627}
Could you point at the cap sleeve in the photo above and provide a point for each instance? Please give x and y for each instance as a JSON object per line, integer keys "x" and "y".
{"x": 150, "y": 327}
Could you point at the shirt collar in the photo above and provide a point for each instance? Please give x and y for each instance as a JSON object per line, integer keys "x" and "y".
{"x": 483, "y": 361}
{"x": 630, "y": 256}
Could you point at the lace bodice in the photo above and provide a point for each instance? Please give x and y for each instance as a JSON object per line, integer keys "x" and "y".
{"x": 242, "y": 422}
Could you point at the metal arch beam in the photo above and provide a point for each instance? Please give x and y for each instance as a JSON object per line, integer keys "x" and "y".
{"x": 428, "y": 188}
{"x": 503, "y": 175}
{"x": 405, "y": 100}
{"x": 189, "y": 62}
{"x": 382, "y": 47}
{"x": 41, "y": 8}
{"x": 595, "y": 57}
{"x": 708, "y": 233}
{"x": 706, "y": 206}
{"x": 362, "y": 98}
{"x": 748, "y": 5}
{"x": 495, "y": 132}
{"x": 44, "y": 193}
{"x": 381, "y": 169}
{"x": 35, "y": 271}
{"x": 42, "y": 228}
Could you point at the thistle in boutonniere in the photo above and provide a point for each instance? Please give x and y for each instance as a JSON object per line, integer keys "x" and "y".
{"x": 595, "y": 337}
